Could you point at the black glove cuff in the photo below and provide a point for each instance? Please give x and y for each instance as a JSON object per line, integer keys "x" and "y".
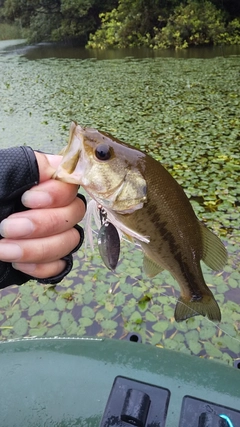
{"x": 58, "y": 278}
{"x": 83, "y": 198}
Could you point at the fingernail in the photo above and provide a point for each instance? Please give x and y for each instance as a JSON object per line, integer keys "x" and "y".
{"x": 25, "y": 268}
{"x": 36, "y": 199}
{"x": 10, "y": 252}
{"x": 18, "y": 227}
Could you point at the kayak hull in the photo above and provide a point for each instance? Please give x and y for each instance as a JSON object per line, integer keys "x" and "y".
{"x": 67, "y": 381}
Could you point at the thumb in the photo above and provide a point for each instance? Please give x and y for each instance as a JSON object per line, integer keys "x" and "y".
{"x": 47, "y": 164}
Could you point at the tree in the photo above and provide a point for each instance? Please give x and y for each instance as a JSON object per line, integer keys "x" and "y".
{"x": 195, "y": 23}
{"x": 231, "y": 7}
{"x": 127, "y": 23}
{"x": 131, "y": 23}
{"x": 50, "y": 20}
{"x": 26, "y": 10}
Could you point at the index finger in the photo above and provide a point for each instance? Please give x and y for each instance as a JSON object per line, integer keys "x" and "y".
{"x": 47, "y": 165}
{"x": 50, "y": 194}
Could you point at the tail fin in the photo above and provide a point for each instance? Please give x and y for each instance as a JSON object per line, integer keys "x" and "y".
{"x": 207, "y": 306}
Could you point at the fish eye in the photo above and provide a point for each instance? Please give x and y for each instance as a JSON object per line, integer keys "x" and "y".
{"x": 103, "y": 152}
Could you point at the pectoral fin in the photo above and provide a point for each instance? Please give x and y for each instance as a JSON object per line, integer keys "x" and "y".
{"x": 150, "y": 267}
{"x": 214, "y": 252}
{"x": 207, "y": 306}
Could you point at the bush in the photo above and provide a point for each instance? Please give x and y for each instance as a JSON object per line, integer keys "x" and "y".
{"x": 10, "y": 31}
{"x": 233, "y": 32}
{"x": 191, "y": 25}
{"x": 40, "y": 28}
{"x": 128, "y": 25}
{"x": 107, "y": 35}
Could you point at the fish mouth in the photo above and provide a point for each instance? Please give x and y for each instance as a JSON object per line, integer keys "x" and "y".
{"x": 71, "y": 169}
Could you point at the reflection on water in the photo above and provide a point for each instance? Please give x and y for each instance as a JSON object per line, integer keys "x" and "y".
{"x": 56, "y": 50}
{"x": 6, "y": 45}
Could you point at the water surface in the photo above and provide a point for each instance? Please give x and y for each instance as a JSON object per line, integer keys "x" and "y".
{"x": 184, "y": 112}
{"x": 63, "y": 50}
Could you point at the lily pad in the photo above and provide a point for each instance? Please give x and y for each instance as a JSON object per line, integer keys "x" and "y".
{"x": 21, "y": 327}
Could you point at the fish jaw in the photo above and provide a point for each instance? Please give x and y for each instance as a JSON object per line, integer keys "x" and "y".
{"x": 71, "y": 170}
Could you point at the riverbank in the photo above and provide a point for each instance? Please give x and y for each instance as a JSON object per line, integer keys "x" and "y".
{"x": 10, "y": 32}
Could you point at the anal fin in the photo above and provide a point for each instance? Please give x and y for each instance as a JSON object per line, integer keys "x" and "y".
{"x": 150, "y": 267}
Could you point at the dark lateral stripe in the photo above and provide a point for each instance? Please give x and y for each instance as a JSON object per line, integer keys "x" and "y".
{"x": 175, "y": 249}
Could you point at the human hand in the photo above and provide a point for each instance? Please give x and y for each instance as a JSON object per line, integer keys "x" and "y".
{"x": 35, "y": 240}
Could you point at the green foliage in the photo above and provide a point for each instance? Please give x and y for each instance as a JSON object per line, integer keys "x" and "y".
{"x": 107, "y": 35}
{"x": 19, "y": 10}
{"x": 56, "y": 20}
{"x": 192, "y": 25}
{"x": 233, "y": 32}
{"x": 10, "y": 31}
{"x": 76, "y": 21}
{"x": 142, "y": 23}
{"x": 127, "y": 23}
{"x": 130, "y": 24}
{"x": 41, "y": 28}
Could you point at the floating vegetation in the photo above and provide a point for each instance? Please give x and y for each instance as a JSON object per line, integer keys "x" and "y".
{"x": 185, "y": 113}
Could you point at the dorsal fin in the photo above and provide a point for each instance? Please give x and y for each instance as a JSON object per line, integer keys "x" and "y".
{"x": 214, "y": 252}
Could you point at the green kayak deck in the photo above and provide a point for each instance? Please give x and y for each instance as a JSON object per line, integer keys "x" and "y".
{"x": 68, "y": 381}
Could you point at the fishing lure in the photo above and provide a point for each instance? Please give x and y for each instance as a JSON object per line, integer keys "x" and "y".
{"x": 108, "y": 241}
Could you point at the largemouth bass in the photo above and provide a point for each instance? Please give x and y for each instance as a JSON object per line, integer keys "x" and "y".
{"x": 146, "y": 202}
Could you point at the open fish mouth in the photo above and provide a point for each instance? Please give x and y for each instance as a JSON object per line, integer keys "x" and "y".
{"x": 70, "y": 169}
